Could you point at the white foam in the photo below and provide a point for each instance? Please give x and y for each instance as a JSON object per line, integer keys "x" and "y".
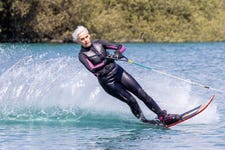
{"x": 65, "y": 83}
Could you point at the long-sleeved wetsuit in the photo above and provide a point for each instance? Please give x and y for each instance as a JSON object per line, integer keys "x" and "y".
{"x": 114, "y": 79}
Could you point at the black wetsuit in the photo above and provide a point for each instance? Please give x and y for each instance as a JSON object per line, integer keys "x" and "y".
{"x": 114, "y": 79}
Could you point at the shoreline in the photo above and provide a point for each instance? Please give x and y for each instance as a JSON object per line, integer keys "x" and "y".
{"x": 57, "y": 41}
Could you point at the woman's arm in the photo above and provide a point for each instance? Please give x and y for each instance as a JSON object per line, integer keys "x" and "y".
{"x": 88, "y": 64}
{"x": 114, "y": 46}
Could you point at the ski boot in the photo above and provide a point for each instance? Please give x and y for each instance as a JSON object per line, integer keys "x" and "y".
{"x": 168, "y": 119}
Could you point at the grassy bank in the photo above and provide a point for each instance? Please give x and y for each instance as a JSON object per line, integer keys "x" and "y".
{"x": 115, "y": 20}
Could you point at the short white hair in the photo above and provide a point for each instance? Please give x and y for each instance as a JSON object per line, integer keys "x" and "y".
{"x": 77, "y": 31}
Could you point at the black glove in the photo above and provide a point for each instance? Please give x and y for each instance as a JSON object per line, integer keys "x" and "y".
{"x": 117, "y": 55}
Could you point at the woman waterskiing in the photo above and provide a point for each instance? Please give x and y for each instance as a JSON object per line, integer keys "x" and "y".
{"x": 113, "y": 78}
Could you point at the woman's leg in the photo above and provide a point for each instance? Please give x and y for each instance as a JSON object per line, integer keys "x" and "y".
{"x": 132, "y": 85}
{"x": 118, "y": 91}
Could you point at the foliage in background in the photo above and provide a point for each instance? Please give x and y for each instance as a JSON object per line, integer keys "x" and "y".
{"x": 114, "y": 20}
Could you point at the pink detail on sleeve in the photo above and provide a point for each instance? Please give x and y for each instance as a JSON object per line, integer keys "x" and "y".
{"x": 123, "y": 48}
{"x": 112, "y": 47}
{"x": 93, "y": 66}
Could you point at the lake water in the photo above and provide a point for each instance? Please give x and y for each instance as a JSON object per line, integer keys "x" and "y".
{"x": 50, "y": 101}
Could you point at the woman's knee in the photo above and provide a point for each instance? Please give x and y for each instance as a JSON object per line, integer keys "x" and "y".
{"x": 131, "y": 100}
{"x": 142, "y": 94}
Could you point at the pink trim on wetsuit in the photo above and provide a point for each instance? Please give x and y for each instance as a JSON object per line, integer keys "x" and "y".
{"x": 93, "y": 66}
{"x": 122, "y": 49}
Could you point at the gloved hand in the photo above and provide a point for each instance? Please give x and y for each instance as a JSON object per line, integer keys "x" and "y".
{"x": 117, "y": 55}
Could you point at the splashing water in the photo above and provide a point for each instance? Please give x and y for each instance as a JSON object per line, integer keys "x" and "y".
{"x": 40, "y": 84}
{"x": 48, "y": 99}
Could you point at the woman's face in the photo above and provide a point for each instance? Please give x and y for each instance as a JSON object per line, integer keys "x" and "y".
{"x": 84, "y": 39}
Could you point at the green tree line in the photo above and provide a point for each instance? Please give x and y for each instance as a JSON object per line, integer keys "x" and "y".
{"x": 114, "y": 20}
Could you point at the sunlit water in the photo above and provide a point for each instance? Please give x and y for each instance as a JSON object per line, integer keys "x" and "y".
{"x": 50, "y": 101}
